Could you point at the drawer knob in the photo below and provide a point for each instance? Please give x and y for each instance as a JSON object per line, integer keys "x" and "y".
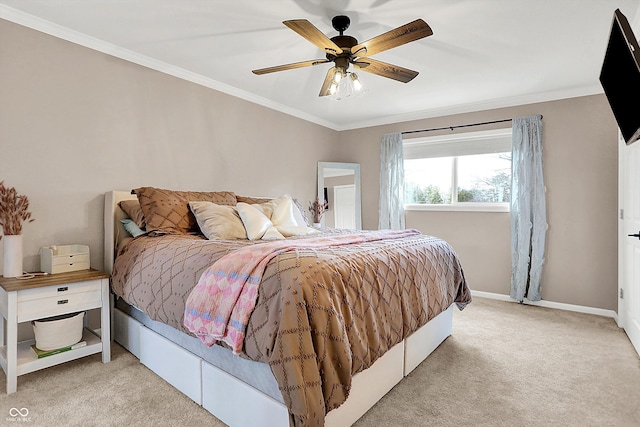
{"x": 63, "y": 301}
{"x": 63, "y": 289}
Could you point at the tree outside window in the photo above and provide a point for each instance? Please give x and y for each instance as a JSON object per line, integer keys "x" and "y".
{"x": 477, "y": 178}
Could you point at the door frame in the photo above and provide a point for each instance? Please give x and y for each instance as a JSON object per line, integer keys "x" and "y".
{"x": 620, "y": 319}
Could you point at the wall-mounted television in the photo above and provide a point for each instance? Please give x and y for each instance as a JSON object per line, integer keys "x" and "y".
{"x": 620, "y": 77}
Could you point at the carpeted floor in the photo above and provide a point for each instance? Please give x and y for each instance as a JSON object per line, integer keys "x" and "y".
{"x": 506, "y": 364}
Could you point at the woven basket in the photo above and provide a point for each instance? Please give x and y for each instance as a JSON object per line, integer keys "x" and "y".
{"x": 59, "y": 331}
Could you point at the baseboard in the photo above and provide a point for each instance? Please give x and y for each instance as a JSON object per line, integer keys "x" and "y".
{"x": 550, "y": 304}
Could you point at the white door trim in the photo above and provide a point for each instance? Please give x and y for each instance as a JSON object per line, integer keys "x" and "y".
{"x": 621, "y": 167}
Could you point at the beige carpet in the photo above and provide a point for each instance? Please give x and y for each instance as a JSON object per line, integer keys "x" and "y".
{"x": 505, "y": 365}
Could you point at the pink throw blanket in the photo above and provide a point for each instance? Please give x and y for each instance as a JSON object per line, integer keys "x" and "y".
{"x": 219, "y": 307}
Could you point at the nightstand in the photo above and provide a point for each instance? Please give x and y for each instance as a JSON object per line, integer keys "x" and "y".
{"x": 24, "y": 300}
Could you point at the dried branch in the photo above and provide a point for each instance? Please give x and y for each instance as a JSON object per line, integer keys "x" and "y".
{"x": 14, "y": 211}
{"x": 318, "y": 209}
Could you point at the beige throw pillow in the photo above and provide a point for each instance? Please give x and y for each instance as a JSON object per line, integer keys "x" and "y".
{"x": 218, "y": 221}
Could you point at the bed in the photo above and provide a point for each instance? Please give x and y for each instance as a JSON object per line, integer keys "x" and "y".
{"x": 328, "y": 369}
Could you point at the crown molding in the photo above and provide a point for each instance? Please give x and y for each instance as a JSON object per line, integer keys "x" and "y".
{"x": 479, "y": 106}
{"x": 64, "y": 33}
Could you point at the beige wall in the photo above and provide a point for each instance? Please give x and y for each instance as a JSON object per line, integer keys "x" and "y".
{"x": 75, "y": 123}
{"x": 580, "y": 165}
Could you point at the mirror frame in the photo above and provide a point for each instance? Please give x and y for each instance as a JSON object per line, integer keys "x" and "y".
{"x": 336, "y": 165}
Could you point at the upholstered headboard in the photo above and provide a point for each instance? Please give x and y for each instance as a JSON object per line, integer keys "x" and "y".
{"x": 114, "y": 231}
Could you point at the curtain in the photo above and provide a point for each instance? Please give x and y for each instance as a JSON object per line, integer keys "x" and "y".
{"x": 528, "y": 209}
{"x": 391, "y": 212}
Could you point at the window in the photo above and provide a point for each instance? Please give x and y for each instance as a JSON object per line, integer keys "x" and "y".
{"x": 470, "y": 171}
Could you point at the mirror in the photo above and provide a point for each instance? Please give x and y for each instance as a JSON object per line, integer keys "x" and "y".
{"x": 339, "y": 185}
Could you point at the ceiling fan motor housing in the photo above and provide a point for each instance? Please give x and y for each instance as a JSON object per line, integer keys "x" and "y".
{"x": 345, "y": 43}
{"x": 340, "y": 23}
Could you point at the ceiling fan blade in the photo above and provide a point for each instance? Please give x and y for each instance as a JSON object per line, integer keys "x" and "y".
{"x": 383, "y": 69}
{"x": 326, "y": 86}
{"x": 307, "y": 30}
{"x": 290, "y": 66}
{"x": 407, "y": 33}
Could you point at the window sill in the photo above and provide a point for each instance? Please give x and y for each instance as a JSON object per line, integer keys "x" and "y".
{"x": 461, "y": 207}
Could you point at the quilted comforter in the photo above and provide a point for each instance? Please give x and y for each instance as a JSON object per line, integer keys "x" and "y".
{"x": 322, "y": 315}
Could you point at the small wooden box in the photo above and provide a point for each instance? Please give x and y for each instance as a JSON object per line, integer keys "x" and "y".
{"x": 62, "y": 259}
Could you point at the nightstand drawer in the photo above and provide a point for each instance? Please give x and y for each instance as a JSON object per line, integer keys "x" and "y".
{"x": 47, "y": 307}
{"x": 58, "y": 291}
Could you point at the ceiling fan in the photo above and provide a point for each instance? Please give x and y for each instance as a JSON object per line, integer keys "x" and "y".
{"x": 345, "y": 50}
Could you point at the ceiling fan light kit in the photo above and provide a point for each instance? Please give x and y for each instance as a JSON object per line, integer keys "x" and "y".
{"x": 344, "y": 85}
{"x": 345, "y": 51}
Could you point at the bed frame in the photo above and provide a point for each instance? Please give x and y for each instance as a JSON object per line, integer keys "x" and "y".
{"x": 227, "y": 397}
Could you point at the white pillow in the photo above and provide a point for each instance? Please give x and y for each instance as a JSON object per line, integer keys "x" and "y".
{"x": 283, "y": 211}
{"x": 255, "y": 221}
{"x": 272, "y": 233}
{"x": 298, "y": 215}
{"x": 273, "y": 220}
{"x": 284, "y": 217}
{"x": 295, "y": 230}
{"x": 279, "y": 211}
{"x": 218, "y": 221}
{"x": 288, "y": 211}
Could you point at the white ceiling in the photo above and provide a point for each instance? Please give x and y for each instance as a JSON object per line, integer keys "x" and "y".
{"x": 483, "y": 53}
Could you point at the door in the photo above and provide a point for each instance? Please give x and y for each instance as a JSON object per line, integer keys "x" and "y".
{"x": 629, "y": 246}
{"x": 344, "y": 208}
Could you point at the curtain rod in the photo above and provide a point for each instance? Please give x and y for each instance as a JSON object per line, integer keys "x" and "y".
{"x": 458, "y": 126}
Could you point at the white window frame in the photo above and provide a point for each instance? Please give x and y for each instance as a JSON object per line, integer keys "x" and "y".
{"x": 479, "y": 142}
